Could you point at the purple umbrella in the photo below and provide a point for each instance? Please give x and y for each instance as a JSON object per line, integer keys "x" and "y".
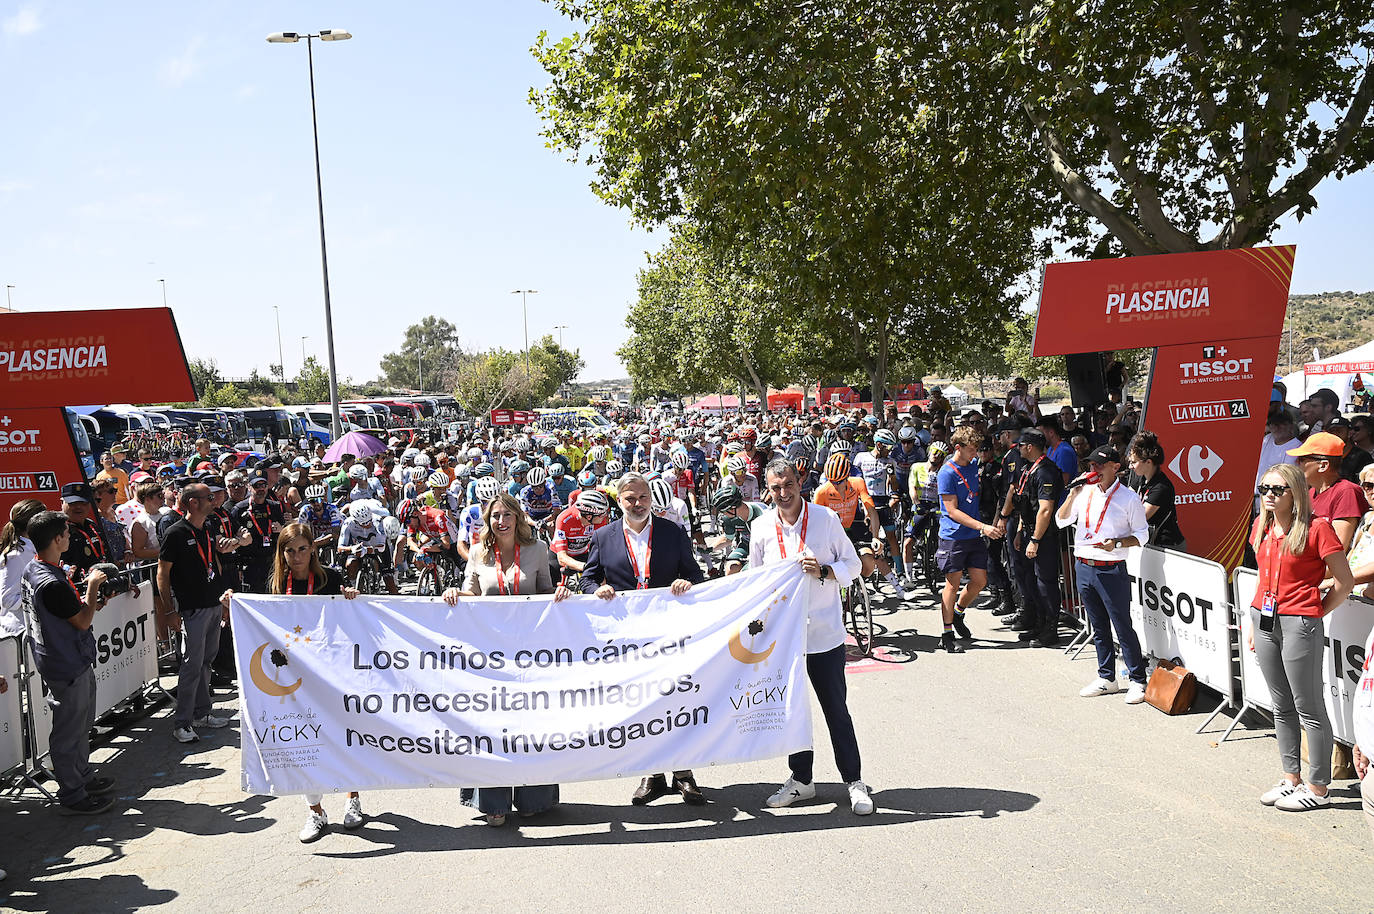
{"x": 359, "y": 444}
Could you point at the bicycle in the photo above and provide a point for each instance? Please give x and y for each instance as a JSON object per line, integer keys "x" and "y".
{"x": 858, "y": 615}
{"x": 435, "y": 572}
{"x": 369, "y": 576}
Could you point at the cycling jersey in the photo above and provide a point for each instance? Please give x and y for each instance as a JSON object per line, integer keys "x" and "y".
{"x": 538, "y": 503}
{"x": 749, "y": 486}
{"x": 434, "y": 522}
{"x": 371, "y": 489}
{"x": 322, "y": 521}
{"x": 564, "y": 489}
{"x": 905, "y": 459}
{"x": 445, "y": 500}
{"x": 845, "y": 502}
{"x": 470, "y": 524}
{"x": 681, "y": 482}
{"x": 514, "y": 487}
{"x": 737, "y": 528}
{"x": 698, "y": 461}
{"x": 355, "y": 534}
{"x": 676, "y": 512}
{"x": 573, "y": 534}
{"x": 876, "y": 472}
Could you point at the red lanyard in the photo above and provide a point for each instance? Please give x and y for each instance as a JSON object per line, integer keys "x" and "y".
{"x": 501, "y": 574}
{"x": 1103, "y": 516}
{"x": 955, "y": 467}
{"x": 641, "y": 580}
{"x": 254, "y": 518}
{"x": 206, "y": 554}
{"x": 801, "y": 540}
{"x": 309, "y": 584}
{"x": 1274, "y": 554}
{"x": 95, "y": 542}
{"x": 1026, "y": 476}
{"x": 63, "y": 575}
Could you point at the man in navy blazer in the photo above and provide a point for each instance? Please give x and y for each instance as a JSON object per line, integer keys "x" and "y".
{"x": 642, "y": 551}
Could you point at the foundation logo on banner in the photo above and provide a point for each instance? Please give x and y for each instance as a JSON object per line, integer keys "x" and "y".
{"x": 756, "y": 633}
{"x": 272, "y": 685}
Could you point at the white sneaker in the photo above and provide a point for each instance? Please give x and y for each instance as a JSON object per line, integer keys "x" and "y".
{"x": 185, "y": 735}
{"x": 316, "y": 824}
{"x": 1277, "y": 792}
{"x": 860, "y": 800}
{"x": 213, "y": 722}
{"x": 353, "y": 813}
{"x": 790, "y": 792}
{"x": 1098, "y": 687}
{"x": 1301, "y": 800}
{"x": 893, "y": 582}
{"x": 1135, "y": 694}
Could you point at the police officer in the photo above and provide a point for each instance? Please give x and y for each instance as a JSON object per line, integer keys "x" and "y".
{"x": 1035, "y": 499}
{"x": 85, "y": 546}
{"x": 1008, "y": 430}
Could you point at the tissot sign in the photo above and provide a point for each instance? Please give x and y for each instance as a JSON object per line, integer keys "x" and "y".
{"x": 1216, "y": 317}
{"x": 58, "y": 358}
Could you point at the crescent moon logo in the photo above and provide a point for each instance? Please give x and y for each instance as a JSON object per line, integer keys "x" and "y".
{"x": 267, "y": 686}
{"x": 744, "y": 655}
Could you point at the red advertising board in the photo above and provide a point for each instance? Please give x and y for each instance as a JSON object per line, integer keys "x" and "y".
{"x": 1207, "y": 404}
{"x": 1162, "y": 300}
{"x": 37, "y": 457}
{"x": 512, "y": 417}
{"x": 1325, "y": 368}
{"x": 59, "y": 358}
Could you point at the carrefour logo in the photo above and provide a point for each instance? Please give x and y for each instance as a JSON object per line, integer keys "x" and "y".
{"x": 1196, "y": 464}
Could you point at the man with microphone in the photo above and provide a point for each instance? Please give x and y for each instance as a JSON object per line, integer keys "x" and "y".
{"x": 1107, "y": 518}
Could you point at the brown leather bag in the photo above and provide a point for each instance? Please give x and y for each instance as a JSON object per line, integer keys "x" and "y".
{"x": 1171, "y": 688}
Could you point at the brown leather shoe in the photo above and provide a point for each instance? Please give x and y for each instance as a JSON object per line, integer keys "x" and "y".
{"x": 650, "y": 789}
{"x": 691, "y": 794}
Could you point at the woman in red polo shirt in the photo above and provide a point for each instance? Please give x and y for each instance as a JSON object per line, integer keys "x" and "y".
{"x": 1296, "y": 552}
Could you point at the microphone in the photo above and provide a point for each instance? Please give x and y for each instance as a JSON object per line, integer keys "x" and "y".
{"x": 1090, "y": 478}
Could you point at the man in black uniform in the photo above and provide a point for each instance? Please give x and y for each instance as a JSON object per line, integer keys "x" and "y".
{"x": 262, "y": 518}
{"x": 1008, "y": 473}
{"x": 1035, "y": 499}
{"x": 86, "y": 546}
{"x": 989, "y": 508}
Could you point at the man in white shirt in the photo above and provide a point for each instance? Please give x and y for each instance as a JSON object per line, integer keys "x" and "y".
{"x": 796, "y": 531}
{"x": 1107, "y": 518}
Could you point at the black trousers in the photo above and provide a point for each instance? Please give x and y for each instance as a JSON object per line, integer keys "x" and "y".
{"x": 1039, "y": 579}
{"x": 826, "y": 672}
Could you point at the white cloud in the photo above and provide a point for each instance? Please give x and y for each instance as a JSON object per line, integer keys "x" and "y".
{"x": 185, "y": 65}
{"x": 24, "y": 22}
{"x": 9, "y": 187}
{"x": 246, "y": 92}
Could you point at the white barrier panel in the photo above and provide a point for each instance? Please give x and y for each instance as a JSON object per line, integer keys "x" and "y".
{"x": 1179, "y": 610}
{"x": 393, "y": 692}
{"x": 1347, "y": 631}
{"x": 11, "y": 721}
{"x": 125, "y": 647}
{"x": 40, "y": 715}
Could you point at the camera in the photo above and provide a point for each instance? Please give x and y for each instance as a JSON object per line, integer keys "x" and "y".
{"x": 116, "y": 580}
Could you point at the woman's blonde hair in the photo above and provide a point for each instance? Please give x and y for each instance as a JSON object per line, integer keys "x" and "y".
{"x": 1367, "y": 473}
{"x": 486, "y": 540}
{"x": 1300, "y": 521}
{"x": 281, "y": 570}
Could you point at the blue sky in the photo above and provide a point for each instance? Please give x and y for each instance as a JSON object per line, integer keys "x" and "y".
{"x": 170, "y": 141}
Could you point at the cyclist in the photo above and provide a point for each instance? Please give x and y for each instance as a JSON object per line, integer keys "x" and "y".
{"x": 362, "y": 485}
{"x": 563, "y": 485}
{"x": 360, "y": 536}
{"x": 746, "y": 482}
{"x": 322, "y": 517}
{"x": 572, "y": 537}
{"x": 482, "y": 470}
{"x": 665, "y": 504}
{"x": 538, "y": 498}
{"x": 908, "y": 452}
{"x": 843, "y": 494}
{"x": 879, "y": 472}
{"x": 734, "y": 514}
{"x": 924, "y": 494}
{"x": 597, "y": 457}
{"x": 515, "y": 476}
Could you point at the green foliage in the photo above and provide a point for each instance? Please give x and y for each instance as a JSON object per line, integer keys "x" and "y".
{"x": 205, "y": 376}
{"x": 312, "y": 384}
{"x": 1332, "y": 322}
{"x": 429, "y": 348}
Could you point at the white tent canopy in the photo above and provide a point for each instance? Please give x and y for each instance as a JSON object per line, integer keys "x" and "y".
{"x": 1336, "y": 372}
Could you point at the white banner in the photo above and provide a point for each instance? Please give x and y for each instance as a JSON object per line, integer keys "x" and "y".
{"x": 125, "y": 647}
{"x": 1347, "y": 632}
{"x": 11, "y": 726}
{"x": 505, "y": 691}
{"x": 1179, "y": 610}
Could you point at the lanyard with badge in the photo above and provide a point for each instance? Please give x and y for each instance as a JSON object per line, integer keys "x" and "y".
{"x": 1103, "y": 516}
{"x": 1269, "y": 602}
{"x": 801, "y": 539}
{"x": 641, "y": 580}
{"x": 514, "y": 587}
{"x": 207, "y": 554}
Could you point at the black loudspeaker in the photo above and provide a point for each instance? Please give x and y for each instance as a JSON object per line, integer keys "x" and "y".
{"x": 1087, "y": 378}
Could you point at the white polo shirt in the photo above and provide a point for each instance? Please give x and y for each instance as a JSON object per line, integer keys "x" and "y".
{"x": 827, "y": 541}
{"x": 1099, "y": 516}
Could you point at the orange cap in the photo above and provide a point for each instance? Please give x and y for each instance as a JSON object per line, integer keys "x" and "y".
{"x": 1322, "y": 444}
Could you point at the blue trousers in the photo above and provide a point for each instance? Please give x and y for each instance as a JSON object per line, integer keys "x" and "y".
{"x": 1106, "y": 595}
{"x": 826, "y": 672}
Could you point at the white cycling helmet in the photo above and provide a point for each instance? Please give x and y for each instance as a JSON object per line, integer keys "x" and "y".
{"x": 422, "y": 460}
{"x": 556, "y": 470}
{"x": 598, "y": 453}
{"x": 315, "y": 492}
{"x": 737, "y": 464}
{"x": 614, "y": 468}
{"x": 661, "y": 493}
{"x": 464, "y": 470}
{"x": 357, "y": 472}
{"x": 681, "y": 460}
{"x": 438, "y": 480}
{"x": 474, "y": 453}
{"x": 361, "y": 513}
{"x": 487, "y": 488}
{"x": 841, "y": 446}
{"x": 593, "y": 502}
{"x": 536, "y": 476}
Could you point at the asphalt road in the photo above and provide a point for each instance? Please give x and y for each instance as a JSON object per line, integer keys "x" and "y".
{"x": 997, "y": 787}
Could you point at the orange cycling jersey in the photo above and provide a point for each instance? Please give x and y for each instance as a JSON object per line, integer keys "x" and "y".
{"x": 845, "y": 501}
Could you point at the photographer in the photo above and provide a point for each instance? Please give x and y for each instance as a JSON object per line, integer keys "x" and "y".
{"x": 64, "y": 652}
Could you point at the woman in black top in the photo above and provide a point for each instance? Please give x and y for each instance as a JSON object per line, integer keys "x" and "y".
{"x": 1156, "y": 490}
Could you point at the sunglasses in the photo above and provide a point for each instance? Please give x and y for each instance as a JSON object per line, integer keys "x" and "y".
{"x": 1367, "y": 486}
{"x": 1275, "y": 491}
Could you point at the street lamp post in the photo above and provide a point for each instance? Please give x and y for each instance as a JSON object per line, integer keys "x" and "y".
{"x": 336, "y": 427}
{"x": 281, "y": 359}
{"x": 163, "y": 283}
{"x": 9, "y": 305}
{"x": 560, "y": 328}
{"x": 303, "y": 339}
{"x": 522, "y": 293}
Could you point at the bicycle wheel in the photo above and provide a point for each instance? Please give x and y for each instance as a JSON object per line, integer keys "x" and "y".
{"x": 427, "y": 580}
{"x": 370, "y": 576}
{"x": 934, "y": 580}
{"x": 859, "y": 617}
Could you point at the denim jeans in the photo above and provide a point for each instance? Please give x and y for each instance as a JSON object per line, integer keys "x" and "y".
{"x": 1106, "y": 595}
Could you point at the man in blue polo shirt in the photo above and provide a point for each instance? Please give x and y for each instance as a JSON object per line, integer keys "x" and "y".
{"x": 961, "y": 547}
{"x": 1059, "y": 451}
